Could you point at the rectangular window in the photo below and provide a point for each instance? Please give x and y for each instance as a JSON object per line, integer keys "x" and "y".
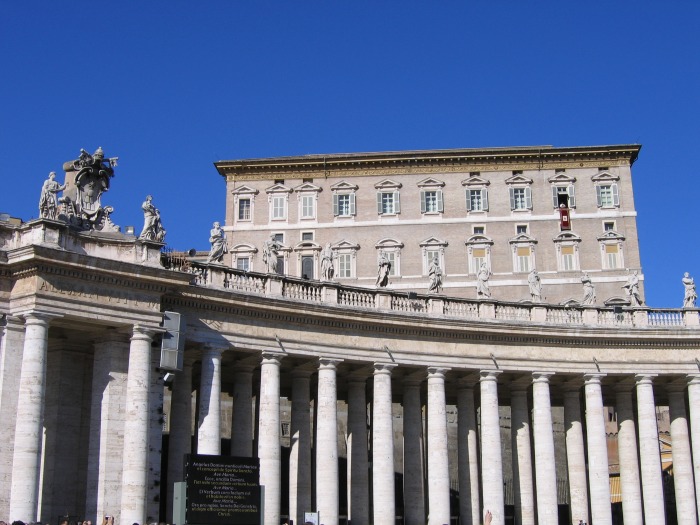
{"x": 608, "y": 196}
{"x": 520, "y": 229}
{"x": 308, "y": 206}
{"x": 243, "y": 263}
{"x": 391, "y": 257}
{"x": 244, "y": 209}
{"x": 611, "y": 253}
{"x": 388, "y": 203}
{"x": 279, "y": 207}
{"x": 478, "y": 230}
{"x": 563, "y": 195}
{"x": 431, "y": 201}
{"x": 429, "y": 256}
{"x": 477, "y": 200}
{"x": 522, "y": 259}
{"x": 307, "y": 236}
{"x": 520, "y": 199}
{"x": 344, "y": 265}
{"x": 609, "y": 226}
{"x": 478, "y": 258}
{"x": 567, "y": 258}
{"x": 279, "y": 237}
{"x": 344, "y": 204}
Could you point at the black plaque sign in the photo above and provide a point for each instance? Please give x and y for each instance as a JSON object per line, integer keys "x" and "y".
{"x": 222, "y": 490}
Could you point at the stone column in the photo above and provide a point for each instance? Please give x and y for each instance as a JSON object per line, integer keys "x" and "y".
{"x": 137, "y": 413}
{"x": 107, "y": 418}
{"x": 269, "y": 435}
{"x": 413, "y": 495}
{"x": 523, "y": 485}
{"x": 29, "y": 429}
{"x": 327, "y": 487}
{"x": 438, "y": 465}
{"x": 384, "y": 504}
{"x": 545, "y": 470}
{"x": 599, "y": 481}
{"x": 180, "y": 441}
{"x": 650, "y": 457}
{"x": 575, "y": 454}
{"x": 468, "y": 450}
{"x": 694, "y": 406}
{"x": 209, "y": 424}
{"x": 491, "y": 461}
{"x": 358, "y": 464}
{"x": 686, "y": 510}
{"x": 242, "y": 427}
{"x": 300, "y": 447}
{"x": 11, "y": 344}
{"x": 627, "y": 452}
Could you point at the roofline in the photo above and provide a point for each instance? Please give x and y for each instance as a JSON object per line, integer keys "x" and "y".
{"x": 416, "y": 158}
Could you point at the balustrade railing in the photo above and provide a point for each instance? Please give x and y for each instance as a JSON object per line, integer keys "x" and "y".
{"x": 356, "y": 298}
{"x": 665, "y": 318}
{"x": 463, "y": 309}
{"x": 564, "y": 315}
{"x": 304, "y": 290}
{"x": 510, "y": 312}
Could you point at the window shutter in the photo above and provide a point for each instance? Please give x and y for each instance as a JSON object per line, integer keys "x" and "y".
{"x": 555, "y": 196}
{"x": 397, "y": 203}
{"x": 597, "y": 195}
{"x": 352, "y": 204}
{"x": 572, "y": 196}
{"x": 335, "y": 205}
{"x": 616, "y": 195}
{"x": 422, "y": 202}
{"x": 528, "y": 198}
{"x": 439, "y": 201}
{"x": 469, "y": 200}
{"x": 512, "y": 198}
{"x": 485, "y": 199}
{"x": 379, "y": 202}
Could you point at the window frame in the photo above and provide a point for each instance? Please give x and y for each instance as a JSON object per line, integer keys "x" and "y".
{"x": 475, "y": 183}
{"x": 243, "y": 251}
{"x": 388, "y": 190}
{"x": 240, "y": 194}
{"x": 606, "y": 241}
{"x": 392, "y": 248}
{"x": 478, "y": 242}
{"x": 605, "y": 180}
{"x": 565, "y": 241}
{"x": 429, "y": 186}
{"x": 518, "y": 182}
{"x": 561, "y": 181}
{"x": 278, "y": 200}
{"x": 436, "y": 246}
{"x": 343, "y": 189}
{"x": 345, "y": 249}
{"x": 518, "y": 243}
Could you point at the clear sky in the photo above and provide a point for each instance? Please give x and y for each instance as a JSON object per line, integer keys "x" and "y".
{"x": 171, "y": 87}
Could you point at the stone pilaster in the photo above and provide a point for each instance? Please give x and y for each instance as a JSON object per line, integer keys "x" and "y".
{"x": 242, "y": 427}
{"x": 627, "y": 452}
{"x": 358, "y": 464}
{"x": 383, "y": 447}
{"x": 209, "y": 424}
{"x": 180, "y": 440}
{"x": 269, "y": 435}
{"x": 29, "y": 429}
{"x": 137, "y": 413}
{"x": 694, "y": 409}
{"x": 686, "y": 510}
{"x": 523, "y": 482}
{"x": 599, "y": 482}
{"x": 438, "y": 466}
{"x": 413, "y": 454}
{"x": 491, "y": 460}
{"x": 575, "y": 455}
{"x": 468, "y": 454}
{"x": 545, "y": 469}
{"x": 650, "y": 457}
{"x": 327, "y": 488}
{"x": 300, "y": 447}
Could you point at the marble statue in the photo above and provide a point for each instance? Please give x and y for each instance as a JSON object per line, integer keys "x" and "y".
{"x": 152, "y": 227}
{"x": 271, "y": 251}
{"x": 217, "y": 238}
{"x": 435, "y": 276}
{"x": 482, "y": 282}
{"x": 535, "y": 285}
{"x": 691, "y": 294}
{"x": 632, "y": 289}
{"x": 383, "y": 269}
{"x": 327, "y": 269}
{"x": 588, "y": 290}
{"x": 48, "y": 203}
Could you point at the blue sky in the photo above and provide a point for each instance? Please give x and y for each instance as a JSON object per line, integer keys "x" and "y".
{"x": 171, "y": 87}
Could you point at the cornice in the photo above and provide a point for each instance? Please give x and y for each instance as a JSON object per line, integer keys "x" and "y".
{"x": 428, "y": 162}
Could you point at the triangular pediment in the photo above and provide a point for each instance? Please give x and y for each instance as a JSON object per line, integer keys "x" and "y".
{"x": 307, "y": 187}
{"x": 278, "y": 188}
{"x": 430, "y": 183}
{"x": 479, "y": 238}
{"x": 523, "y": 238}
{"x": 344, "y": 186}
{"x": 605, "y": 176}
{"x": 387, "y": 184}
{"x": 611, "y": 235}
{"x": 345, "y": 245}
{"x": 433, "y": 241}
{"x": 561, "y": 178}
{"x": 245, "y": 190}
{"x": 475, "y": 181}
{"x": 518, "y": 179}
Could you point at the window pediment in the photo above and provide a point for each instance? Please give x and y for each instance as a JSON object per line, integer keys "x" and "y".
{"x": 479, "y": 239}
{"x": 244, "y": 248}
{"x": 345, "y": 245}
{"x": 388, "y": 184}
{"x": 344, "y": 186}
{"x": 306, "y": 246}
{"x": 611, "y": 235}
{"x": 431, "y": 183}
{"x": 518, "y": 180}
{"x": 432, "y": 241}
{"x": 523, "y": 238}
{"x": 567, "y": 237}
{"x": 245, "y": 190}
{"x": 475, "y": 181}
{"x": 278, "y": 188}
{"x": 605, "y": 176}
{"x": 308, "y": 187}
{"x": 389, "y": 243}
{"x": 561, "y": 178}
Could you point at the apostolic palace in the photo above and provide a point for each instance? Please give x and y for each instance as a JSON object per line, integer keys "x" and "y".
{"x": 441, "y": 337}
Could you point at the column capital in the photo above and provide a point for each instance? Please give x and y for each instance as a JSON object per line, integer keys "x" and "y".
{"x": 142, "y": 332}
{"x": 383, "y": 368}
{"x": 644, "y": 379}
{"x": 489, "y": 375}
{"x": 436, "y": 371}
{"x": 272, "y": 358}
{"x": 35, "y": 317}
{"x": 328, "y": 363}
{"x": 213, "y": 351}
{"x": 593, "y": 378}
{"x": 541, "y": 377}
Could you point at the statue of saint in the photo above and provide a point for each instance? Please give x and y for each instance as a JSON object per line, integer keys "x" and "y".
{"x": 48, "y": 203}
{"x": 271, "y": 251}
{"x": 152, "y": 227}
{"x": 535, "y": 285}
{"x": 217, "y": 238}
{"x": 383, "y": 269}
{"x": 691, "y": 294}
{"x": 327, "y": 270}
{"x": 435, "y": 276}
{"x": 632, "y": 288}
{"x": 482, "y": 282}
{"x": 588, "y": 290}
